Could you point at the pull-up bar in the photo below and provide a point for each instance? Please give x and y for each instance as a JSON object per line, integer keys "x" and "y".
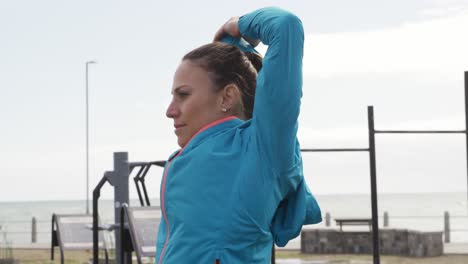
{"x": 465, "y": 131}
{"x": 336, "y": 150}
{"x": 420, "y": 131}
{"x": 372, "y": 132}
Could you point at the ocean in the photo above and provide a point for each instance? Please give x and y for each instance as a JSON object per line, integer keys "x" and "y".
{"x": 417, "y": 211}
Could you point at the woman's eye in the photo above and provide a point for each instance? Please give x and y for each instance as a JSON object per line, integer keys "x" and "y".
{"x": 183, "y": 94}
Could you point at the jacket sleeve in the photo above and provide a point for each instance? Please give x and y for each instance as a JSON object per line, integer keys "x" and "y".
{"x": 298, "y": 208}
{"x": 279, "y": 83}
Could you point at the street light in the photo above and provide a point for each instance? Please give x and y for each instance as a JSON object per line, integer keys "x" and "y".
{"x": 87, "y": 137}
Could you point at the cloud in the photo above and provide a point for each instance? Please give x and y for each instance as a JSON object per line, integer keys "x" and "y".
{"x": 436, "y": 45}
{"x": 444, "y": 8}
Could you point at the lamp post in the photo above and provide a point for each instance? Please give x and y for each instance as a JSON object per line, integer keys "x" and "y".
{"x": 87, "y": 138}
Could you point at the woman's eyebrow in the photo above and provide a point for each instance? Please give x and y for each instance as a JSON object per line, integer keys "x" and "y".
{"x": 179, "y": 87}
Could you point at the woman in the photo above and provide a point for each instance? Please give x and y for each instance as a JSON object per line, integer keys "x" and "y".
{"x": 236, "y": 185}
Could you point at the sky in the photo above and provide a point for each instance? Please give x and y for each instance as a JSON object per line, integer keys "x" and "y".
{"x": 405, "y": 57}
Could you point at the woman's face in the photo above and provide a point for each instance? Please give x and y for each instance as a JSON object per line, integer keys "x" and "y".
{"x": 194, "y": 101}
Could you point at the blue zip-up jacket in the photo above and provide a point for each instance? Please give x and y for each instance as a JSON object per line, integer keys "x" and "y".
{"x": 238, "y": 186}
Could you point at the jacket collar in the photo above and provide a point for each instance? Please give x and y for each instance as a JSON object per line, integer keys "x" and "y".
{"x": 207, "y": 130}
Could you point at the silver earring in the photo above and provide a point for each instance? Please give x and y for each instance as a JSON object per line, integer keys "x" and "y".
{"x": 224, "y": 110}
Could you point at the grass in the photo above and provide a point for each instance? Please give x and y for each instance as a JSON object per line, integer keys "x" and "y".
{"x": 346, "y": 258}
{"x": 42, "y": 256}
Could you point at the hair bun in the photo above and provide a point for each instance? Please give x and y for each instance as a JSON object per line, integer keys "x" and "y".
{"x": 255, "y": 59}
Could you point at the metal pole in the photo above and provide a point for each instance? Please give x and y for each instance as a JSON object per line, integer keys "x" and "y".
{"x": 120, "y": 183}
{"x": 385, "y": 219}
{"x": 273, "y": 254}
{"x": 54, "y": 238}
{"x": 446, "y": 227}
{"x": 136, "y": 180}
{"x": 87, "y": 138}
{"x": 33, "y": 230}
{"x": 373, "y": 174}
{"x": 122, "y": 233}
{"x": 327, "y": 219}
{"x": 96, "y": 195}
{"x": 87, "y": 144}
{"x": 466, "y": 127}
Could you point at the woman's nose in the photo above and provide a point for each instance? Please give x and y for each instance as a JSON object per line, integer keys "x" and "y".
{"x": 172, "y": 110}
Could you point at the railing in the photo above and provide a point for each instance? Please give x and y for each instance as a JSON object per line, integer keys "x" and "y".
{"x": 29, "y": 230}
{"x": 445, "y": 226}
{"x": 34, "y": 228}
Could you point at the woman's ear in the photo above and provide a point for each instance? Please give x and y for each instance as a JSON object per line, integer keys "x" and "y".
{"x": 231, "y": 97}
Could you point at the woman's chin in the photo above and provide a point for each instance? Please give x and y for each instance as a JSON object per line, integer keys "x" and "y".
{"x": 182, "y": 142}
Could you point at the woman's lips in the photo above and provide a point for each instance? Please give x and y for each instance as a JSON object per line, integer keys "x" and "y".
{"x": 178, "y": 127}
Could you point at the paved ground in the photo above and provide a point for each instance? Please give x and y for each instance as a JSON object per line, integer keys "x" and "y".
{"x": 456, "y": 248}
{"x": 449, "y": 248}
{"x": 298, "y": 261}
{"x": 453, "y": 253}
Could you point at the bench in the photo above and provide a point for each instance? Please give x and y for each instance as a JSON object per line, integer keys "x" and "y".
{"x": 353, "y": 221}
{"x": 143, "y": 225}
{"x": 71, "y": 232}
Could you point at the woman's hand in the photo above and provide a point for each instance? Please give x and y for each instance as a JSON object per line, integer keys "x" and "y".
{"x": 230, "y": 27}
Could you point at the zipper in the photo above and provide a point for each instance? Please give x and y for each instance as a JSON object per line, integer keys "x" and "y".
{"x": 163, "y": 201}
{"x": 163, "y": 209}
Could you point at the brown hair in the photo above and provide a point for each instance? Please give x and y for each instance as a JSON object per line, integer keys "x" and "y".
{"x": 227, "y": 64}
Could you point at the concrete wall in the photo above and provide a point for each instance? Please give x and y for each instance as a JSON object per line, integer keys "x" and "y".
{"x": 392, "y": 242}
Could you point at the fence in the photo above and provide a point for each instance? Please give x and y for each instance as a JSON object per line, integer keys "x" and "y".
{"x": 28, "y": 232}
{"x": 34, "y": 231}
{"x": 6, "y": 252}
{"x": 445, "y": 223}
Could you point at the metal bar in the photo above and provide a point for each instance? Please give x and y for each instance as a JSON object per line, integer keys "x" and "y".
{"x": 273, "y": 254}
{"x": 122, "y": 231}
{"x": 145, "y": 192}
{"x": 417, "y": 216}
{"x": 336, "y": 150}
{"x": 138, "y": 191}
{"x": 53, "y": 238}
{"x": 87, "y": 137}
{"x": 373, "y": 179}
{"x": 120, "y": 179}
{"x": 466, "y": 126}
{"x": 136, "y": 179}
{"x": 142, "y": 167}
{"x": 96, "y": 194}
{"x": 137, "y": 164}
{"x": 33, "y": 230}
{"x": 159, "y": 163}
{"x": 446, "y": 227}
{"x": 62, "y": 257}
{"x": 145, "y": 171}
{"x": 143, "y": 184}
{"x": 420, "y": 131}
{"x": 87, "y": 143}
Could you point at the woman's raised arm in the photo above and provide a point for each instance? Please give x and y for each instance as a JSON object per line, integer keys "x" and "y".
{"x": 279, "y": 83}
